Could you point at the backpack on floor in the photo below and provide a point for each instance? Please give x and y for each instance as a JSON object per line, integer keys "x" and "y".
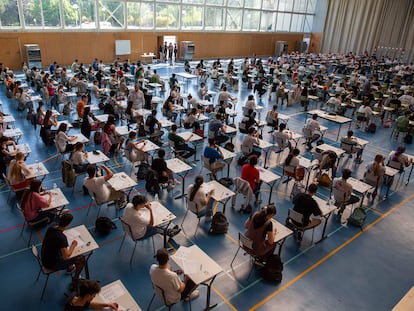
{"x": 371, "y": 128}
{"x": 272, "y": 271}
{"x": 143, "y": 170}
{"x": 358, "y": 217}
{"x": 408, "y": 139}
{"x": 219, "y": 224}
{"x": 226, "y": 182}
{"x": 104, "y": 225}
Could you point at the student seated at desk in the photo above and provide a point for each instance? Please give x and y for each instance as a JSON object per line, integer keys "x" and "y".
{"x": 79, "y": 158}
{"x": 398, "y": 156}
{"x": 62, "y": 140}
{"x": 342, "y": 191}
{"x": 33, "y": 201}
{"x": 213, "y": 154}
{"x": 191, "y": 121}
{"x": 163, "y": 277}
{"x": 352, "y": 142}
{"x": 200, "y": 200}
{"x": 307, "y": 206}
{"x": 56, "y": 251}
{"x": 292, "y": 167}
{"x": 282, "y": 138}
{"x": 375, "y": 171}
{"x": 251, "y": 174}
{"x": 5, "y": 155}
{"x": 98, "y": 188}
{"x": 18, "y": 171}
{"x": 82, "y": 299}
{"x": 260, "y": 230}
{"x": 249, "y": 143}
{"x": 139, "y": 216}
{"x": 364, "y": 114}
{"x": 272, "y": 118}
{"x": 180, "y": 143}
{"x": 164, "y": 174}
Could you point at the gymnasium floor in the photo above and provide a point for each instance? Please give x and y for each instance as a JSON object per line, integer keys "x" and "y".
{"x": 350, "y": 270}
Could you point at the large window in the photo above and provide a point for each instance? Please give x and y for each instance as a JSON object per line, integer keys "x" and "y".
{"x": 174, "y": 15}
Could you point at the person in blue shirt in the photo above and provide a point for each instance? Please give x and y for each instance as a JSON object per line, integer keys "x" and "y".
{"x": 213, "y": 154}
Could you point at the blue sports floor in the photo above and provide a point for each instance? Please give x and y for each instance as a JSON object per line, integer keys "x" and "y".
{"x": 350, "y": 270}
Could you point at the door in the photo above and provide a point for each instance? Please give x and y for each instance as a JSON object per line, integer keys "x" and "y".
{"x": 10, "y": 54}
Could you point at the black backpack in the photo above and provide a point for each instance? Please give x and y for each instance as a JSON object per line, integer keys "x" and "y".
{"x": 143, "y": 170}
{"x": 272, "y": 271}
{"x": 104, "y": 225}
{"x": 371, "y": 128}
{"x": 219, "y": 224}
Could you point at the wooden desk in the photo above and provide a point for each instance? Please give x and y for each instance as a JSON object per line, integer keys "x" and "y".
{"x": 199, "y": 267}
{"x": 117, "y": 292}
{"x": 86, "y": 243}
{"x": 269, "y": 178}
{"x": 181, "y": 169}
{"x": 282, "y": 232}
{"x": 337, "y": 119}
{"x": 221, "y": 193}
{"x": 406, "y": 303}
{"x": 58, "y": 200}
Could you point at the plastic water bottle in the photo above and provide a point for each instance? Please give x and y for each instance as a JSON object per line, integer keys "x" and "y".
{"x": 54, "y": 185}
{"x": 156, "y": 197}
{"x": 37, "y": 165}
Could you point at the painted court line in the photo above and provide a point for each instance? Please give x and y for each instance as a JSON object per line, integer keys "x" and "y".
{"x": 322, "y": 260}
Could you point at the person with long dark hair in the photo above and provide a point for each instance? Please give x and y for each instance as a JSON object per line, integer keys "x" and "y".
{"x": 260, "y": 230}
{"x": 63, "y": 140}
{"x": 201, "y": 198}
{"x": 33, "y": 201}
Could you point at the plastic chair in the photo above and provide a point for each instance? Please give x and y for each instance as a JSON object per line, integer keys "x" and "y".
{"x": 193, "y": 208}
{"x": 42, "y": 269}
{"x": 247, "y": 245}
{"x": 128, "y": 231}
{"x": 296, "y": 222}
{"x": 12, "y": 188}
{"x": 158, "y": 291}
{"x": 32, "y": 225}
{"x": 178, "y": 153}
{"x": 242, "y": 187}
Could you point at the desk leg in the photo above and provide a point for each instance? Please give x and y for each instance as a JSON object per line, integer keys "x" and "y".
{"x": 228, "y": 169}
{"x": 271, "y": 191}
{"x": 182, "y": 195}
{"x": 208, "y": 306}
{"x": 324, "y": 228}
{"x": 87, "y": 266}
{"x": 280, "y": 246}
{"x": 265, "y": 162}
{"x": 409, "y": 175}
{"x": 339, "y": 131}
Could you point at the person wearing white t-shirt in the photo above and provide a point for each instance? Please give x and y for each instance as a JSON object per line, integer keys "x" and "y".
{"x": 201, "y": 198}
{"x": 98, "y": 188}
{"x": 167, "y": 282}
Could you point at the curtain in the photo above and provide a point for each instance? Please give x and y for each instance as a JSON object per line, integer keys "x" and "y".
{"x": 362, "y": 25}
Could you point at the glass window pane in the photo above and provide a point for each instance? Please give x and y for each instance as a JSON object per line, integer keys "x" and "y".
{"x": 311, "y": 6}
{"x": 213, "y": 19}
{"x": 9, "y": 13}
{"x": 297, "y": 23}
{"x": 283, "y": 21}
{"x": 233, "y": 19}
{"x": 111, "y": 14}
{"x": 140, "y": 15}
{"x": 235, "y": 3}
{"x": 79, "y": 14}
{"x": 270, "y": 4}
{"x": 300, "y": 6}
{"x": 251, "y": 20}
{"x": 194, "y": 1}
{"x": 254, "y": 4}
{"x": 167, "y": 16}
{"x": 285, "y": 5}
{"x": 51, "y": 13}
{"x": 192, "y": 17}
{"x": 267, "y": 22}
{"x": 168, "y": 0}
{"x": 32, "y": 13}
{"x": 307, "y": 26}
{"x": 215, "y": 2}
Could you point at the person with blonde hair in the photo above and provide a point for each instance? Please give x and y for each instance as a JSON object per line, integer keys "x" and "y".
{"x": 18, "y": 171}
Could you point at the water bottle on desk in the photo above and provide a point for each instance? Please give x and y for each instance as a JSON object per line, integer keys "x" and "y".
{"x": 156, "y": 197}
{"x": 54, "y": 186}
{"x": 37, "y": 165}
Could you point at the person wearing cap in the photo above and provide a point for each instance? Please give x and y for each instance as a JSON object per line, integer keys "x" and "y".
{"x": 163, "y": 277}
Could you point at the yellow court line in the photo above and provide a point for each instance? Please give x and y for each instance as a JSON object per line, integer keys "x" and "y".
{"x": 223, "y": 298}
{"x": 232, "y": 239}
{"x": 336, "y": 250}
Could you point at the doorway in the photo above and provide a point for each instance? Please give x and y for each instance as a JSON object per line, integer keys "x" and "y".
{"x": 167, "y": 54}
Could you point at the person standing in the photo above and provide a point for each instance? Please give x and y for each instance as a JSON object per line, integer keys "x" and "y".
{"x": 175, "y": 52}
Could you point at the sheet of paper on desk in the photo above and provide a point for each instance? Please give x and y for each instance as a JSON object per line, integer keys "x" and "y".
{"x": 183, "y": 252}
{"x": 112, "y": 293}
{"x": 72, "y": 235}
{"x": 191, "y": 266}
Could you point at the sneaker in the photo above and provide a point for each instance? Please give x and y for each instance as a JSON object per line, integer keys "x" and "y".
{"x": 70, "y": 269}
{"x": 122, "y": 204}
{"x": 173, "y": 232}
{"x": 194, "y": 294}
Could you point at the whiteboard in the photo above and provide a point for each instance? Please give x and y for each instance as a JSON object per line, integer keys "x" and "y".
{"x": 122, "y": 47}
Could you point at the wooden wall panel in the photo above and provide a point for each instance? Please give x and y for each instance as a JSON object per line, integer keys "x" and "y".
{"x": 315, "y": 42}
{"x": 64, "y": 47}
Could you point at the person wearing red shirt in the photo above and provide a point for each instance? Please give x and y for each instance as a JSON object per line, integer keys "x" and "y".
{"x": 251, "y": 174}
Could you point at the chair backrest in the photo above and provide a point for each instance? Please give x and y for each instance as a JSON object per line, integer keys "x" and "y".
{"x": 171, "y": 144}
{"x": 192, "y": 206}
{"x": 371, "y": 179}
{"x": 289, "y": 170}
{"x": 245, "y": 242}
{"x": 160, "y": 293}
{"x": 348, "y": 148}
{"x": 307, "y": 132}
{"x": 211, "y": 134}
{"x": 206, "y": 162}
{"x": 245, "y": 149}
{"x": 395, "y": 164}
{"x": 35, "y": 254}
{"x": 295, "y": 216}
{"x": 127, "y": 229}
